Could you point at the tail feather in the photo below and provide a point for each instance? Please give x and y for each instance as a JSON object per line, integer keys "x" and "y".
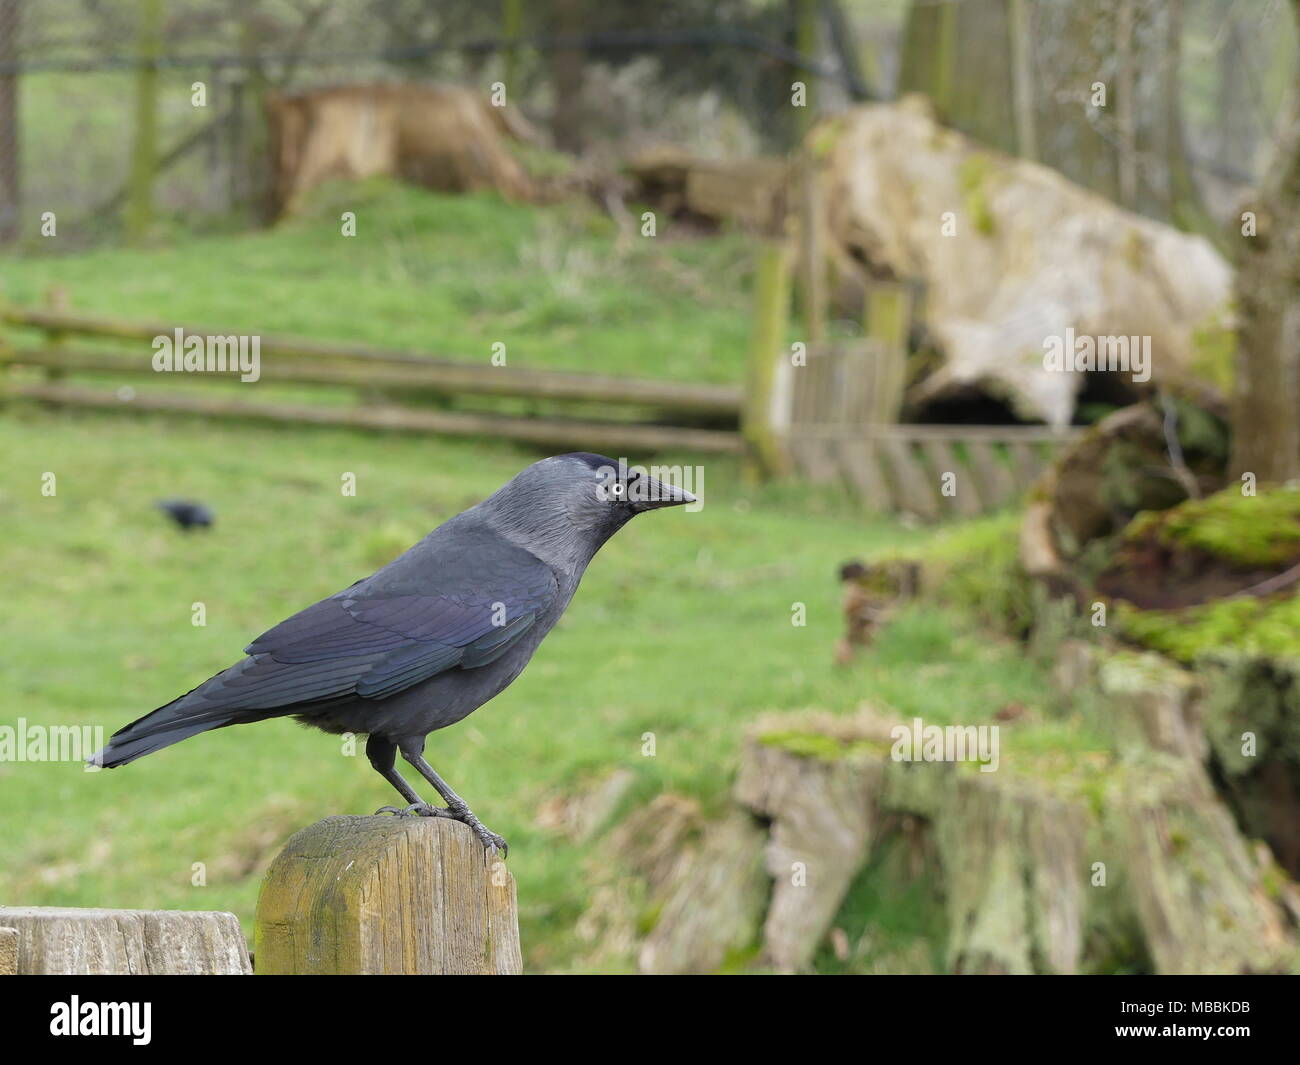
{"x": 176, "y": 721}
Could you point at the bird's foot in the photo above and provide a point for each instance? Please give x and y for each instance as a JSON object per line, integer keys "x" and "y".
{"x": 457, "y": 812}
{"x": 416, "y": 809}
{"x": 490, "y": 840}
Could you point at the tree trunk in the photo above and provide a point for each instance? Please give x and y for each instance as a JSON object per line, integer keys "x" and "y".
{"x": 10, "y": 184}
{"x": 567, "y": 79}
{"x": 1266, "y": 423}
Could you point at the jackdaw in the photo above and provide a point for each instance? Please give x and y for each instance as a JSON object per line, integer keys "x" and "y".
{"x": 187, "y": 514}
{"x": 431, "y": 637}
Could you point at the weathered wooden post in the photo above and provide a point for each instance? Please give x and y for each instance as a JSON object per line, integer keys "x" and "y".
{"x": 56, "y": 299}
{"x": 512, "y": 23}
{"x": 763, "y": 386}
{"x": 387, "y": 895}
{"x": 10, "y": 134}
{"x": 8, "y": 952}
{"x": 144, "y": 150}
{"x": 889, "y": 315}
{"x": 59, "y": 941}
{"x": 6, "y": 350}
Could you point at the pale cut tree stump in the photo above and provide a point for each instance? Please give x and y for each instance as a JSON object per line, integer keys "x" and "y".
{"x": 382, "y": 894}
{"x": 64, "y": 941}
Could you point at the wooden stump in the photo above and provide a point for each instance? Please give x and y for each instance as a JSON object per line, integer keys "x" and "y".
{"x": 410, "y": 895}
{"x": 8, "y": 952}
{"x": 54, "y": 941}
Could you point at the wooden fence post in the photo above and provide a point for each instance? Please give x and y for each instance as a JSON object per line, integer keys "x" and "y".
{"x": 762, "y": 395}
{"x": 144, "y": 150}
{"x": 10, "y": 129}
{"x": 8, "y": 952}
{"x": 375, "y": 895}
{"x": 512, "y": 23}
{"x": 889, "y": 314}
{"x": 66, "y": 941}
{"x": 6, "y": 351}
{"x": 56, "y": 299}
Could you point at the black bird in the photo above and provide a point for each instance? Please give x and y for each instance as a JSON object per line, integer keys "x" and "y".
{"x": 187, "y": 514}
{"x": 429, "y": 638}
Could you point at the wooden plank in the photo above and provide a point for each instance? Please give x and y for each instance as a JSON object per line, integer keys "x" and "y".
{"x": 63, "y": 941}
{"x": 914, "y": 489}
{"x": 433, "y": 378}
{"x": 456, "y": 376}
{"x": 590, "y": 435}
{"x": 1022, "y": 462}
{"x": 889, "y": 311}
{"x": 943, "y": 459}
{"x": 387, "y": 895}
{"x": 1004, "y": 434}
{"x": 996, "y": 485}
{"x": 860, "y": 464}
{"x": 817, "y": 459}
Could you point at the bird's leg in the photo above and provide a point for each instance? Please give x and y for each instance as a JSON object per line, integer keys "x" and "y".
{"x": 413, "y": 752}
{"x": 383, "y": 758}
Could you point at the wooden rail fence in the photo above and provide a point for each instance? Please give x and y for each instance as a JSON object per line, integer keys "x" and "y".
{"x": 672, "y": 405}
{"x": 830, "y": 415}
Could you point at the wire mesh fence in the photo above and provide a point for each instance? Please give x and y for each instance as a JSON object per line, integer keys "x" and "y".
{"x": 713, "y": 77}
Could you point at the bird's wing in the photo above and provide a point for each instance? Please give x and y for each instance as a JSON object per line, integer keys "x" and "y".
{"x": 460, "y": 601}
{"x": 370, "y": 642}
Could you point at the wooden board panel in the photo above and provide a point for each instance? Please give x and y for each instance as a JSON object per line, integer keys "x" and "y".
{"x": 941, "y": 459}
{"x": 860, "y": 462}
{"x": 995, "y": 484}
{"x": 915, "y": 491}
{"x": 601, "y": 435}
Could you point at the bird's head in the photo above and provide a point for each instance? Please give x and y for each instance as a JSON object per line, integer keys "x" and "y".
{"x": 573, "y": 503}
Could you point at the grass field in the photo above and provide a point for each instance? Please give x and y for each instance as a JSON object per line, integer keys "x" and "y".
{"x": 682, "y": 628}
{"x": 449, "y": 276}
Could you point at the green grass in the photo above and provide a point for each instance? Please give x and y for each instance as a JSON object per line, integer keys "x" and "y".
{"x": 444, "y": 275}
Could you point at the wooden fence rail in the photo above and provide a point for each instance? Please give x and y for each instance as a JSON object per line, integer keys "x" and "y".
{"x": 658, "y": 414}
{"x": 831, "y": 416}
{"x": 402, "y": 367}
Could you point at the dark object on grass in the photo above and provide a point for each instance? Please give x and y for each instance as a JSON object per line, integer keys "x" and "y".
{"x": 429, "y": 638}
{"x": 187, "y": 514}
{"x": 871, "y": 595}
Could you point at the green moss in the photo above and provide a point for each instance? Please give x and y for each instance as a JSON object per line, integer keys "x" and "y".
{"x": 821, "y": 142}
{"x": 974, "y": 175}
{"x": 1214, "y": 355}
{"x": 648, "y": 918}
{"x": 1260, "y": 530}
{"x": 815, "y": 745}
{"x": 1255, "y": 626}
{"x": 1135, "y": 249}
{"x": 975, "y": 566}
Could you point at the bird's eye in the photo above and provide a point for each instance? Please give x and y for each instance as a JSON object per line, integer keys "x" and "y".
{"x": 616, "y": 489}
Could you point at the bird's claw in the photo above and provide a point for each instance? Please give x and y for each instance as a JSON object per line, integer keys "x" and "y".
{"x": 416, "y": 809}
{"x": 492, "y": 843}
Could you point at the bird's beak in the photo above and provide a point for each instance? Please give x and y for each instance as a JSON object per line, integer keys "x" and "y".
{"x": 650, "y": 493}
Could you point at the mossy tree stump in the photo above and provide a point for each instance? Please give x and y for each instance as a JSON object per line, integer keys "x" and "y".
{"x": 387, "y": 895}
